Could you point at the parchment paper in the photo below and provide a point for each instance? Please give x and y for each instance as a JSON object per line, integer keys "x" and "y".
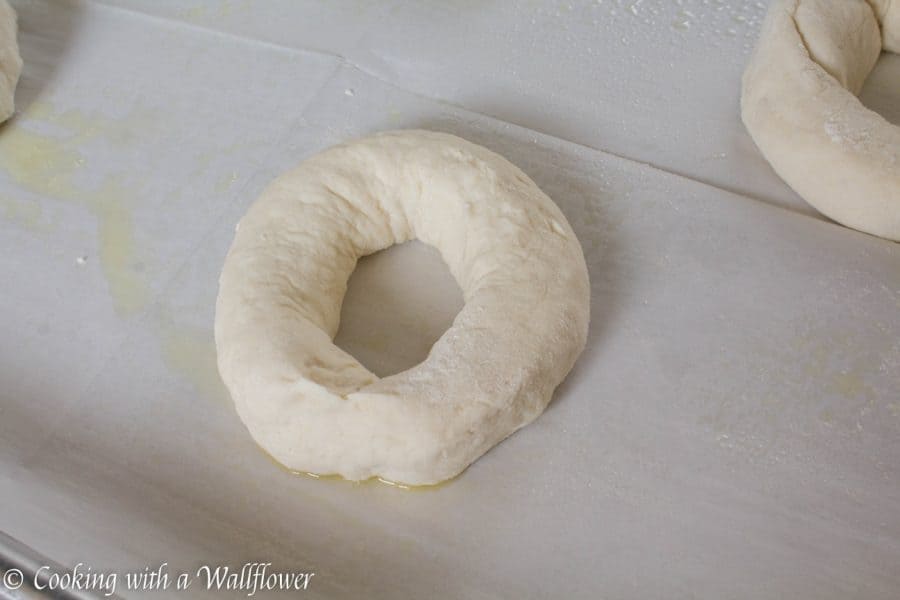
{"x": 731, "y": 431}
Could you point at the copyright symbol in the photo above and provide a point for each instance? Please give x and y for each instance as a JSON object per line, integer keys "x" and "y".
{"x": 13, "y": 579}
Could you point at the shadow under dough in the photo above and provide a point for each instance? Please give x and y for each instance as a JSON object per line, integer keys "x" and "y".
{"x": 46, "y": 31}
{"x": 881, "y": 92}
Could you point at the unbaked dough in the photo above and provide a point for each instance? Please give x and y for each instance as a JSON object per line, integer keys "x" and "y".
{"x": 799, "y": 103}
{"x": 10, "y": 61}
{"x": 314, "y": 407}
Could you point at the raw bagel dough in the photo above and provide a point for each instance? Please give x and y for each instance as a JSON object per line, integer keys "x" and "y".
{"x": 10, "y": 61}
{"x": 799, "y": 104}
{"x": 315, "y": 408}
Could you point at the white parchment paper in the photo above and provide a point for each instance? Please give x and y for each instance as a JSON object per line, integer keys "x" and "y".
{"x": 731, "y": 431}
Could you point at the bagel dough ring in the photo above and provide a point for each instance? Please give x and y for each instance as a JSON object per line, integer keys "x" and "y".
{"x": 799, "y": 104}
{"x": 314, "y": 407}
{"x": 10, "y": 61}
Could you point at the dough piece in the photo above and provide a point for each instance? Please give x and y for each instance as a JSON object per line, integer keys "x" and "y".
{"x": 315, "y": 408}
{"x": 799, "y": 104}
{"x": 888, "y": 12}
{"x": 10, "y": 61}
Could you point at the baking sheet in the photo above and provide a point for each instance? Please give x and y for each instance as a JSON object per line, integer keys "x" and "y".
{"x": 730, "y": 431}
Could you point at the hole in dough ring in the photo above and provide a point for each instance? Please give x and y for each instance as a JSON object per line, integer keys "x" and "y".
{"x": 314, "y": 407}
{"x": 799, "y": 104}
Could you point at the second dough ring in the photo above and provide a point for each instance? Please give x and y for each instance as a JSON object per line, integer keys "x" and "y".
{"x": 799, "y": 104}
{"x": 315, "y": 408}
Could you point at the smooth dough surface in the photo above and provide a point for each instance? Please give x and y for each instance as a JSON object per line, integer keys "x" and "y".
{"x": 10, "y": 61}
{"x": 799, "y": 103}
{"x": 525, "y": 284}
